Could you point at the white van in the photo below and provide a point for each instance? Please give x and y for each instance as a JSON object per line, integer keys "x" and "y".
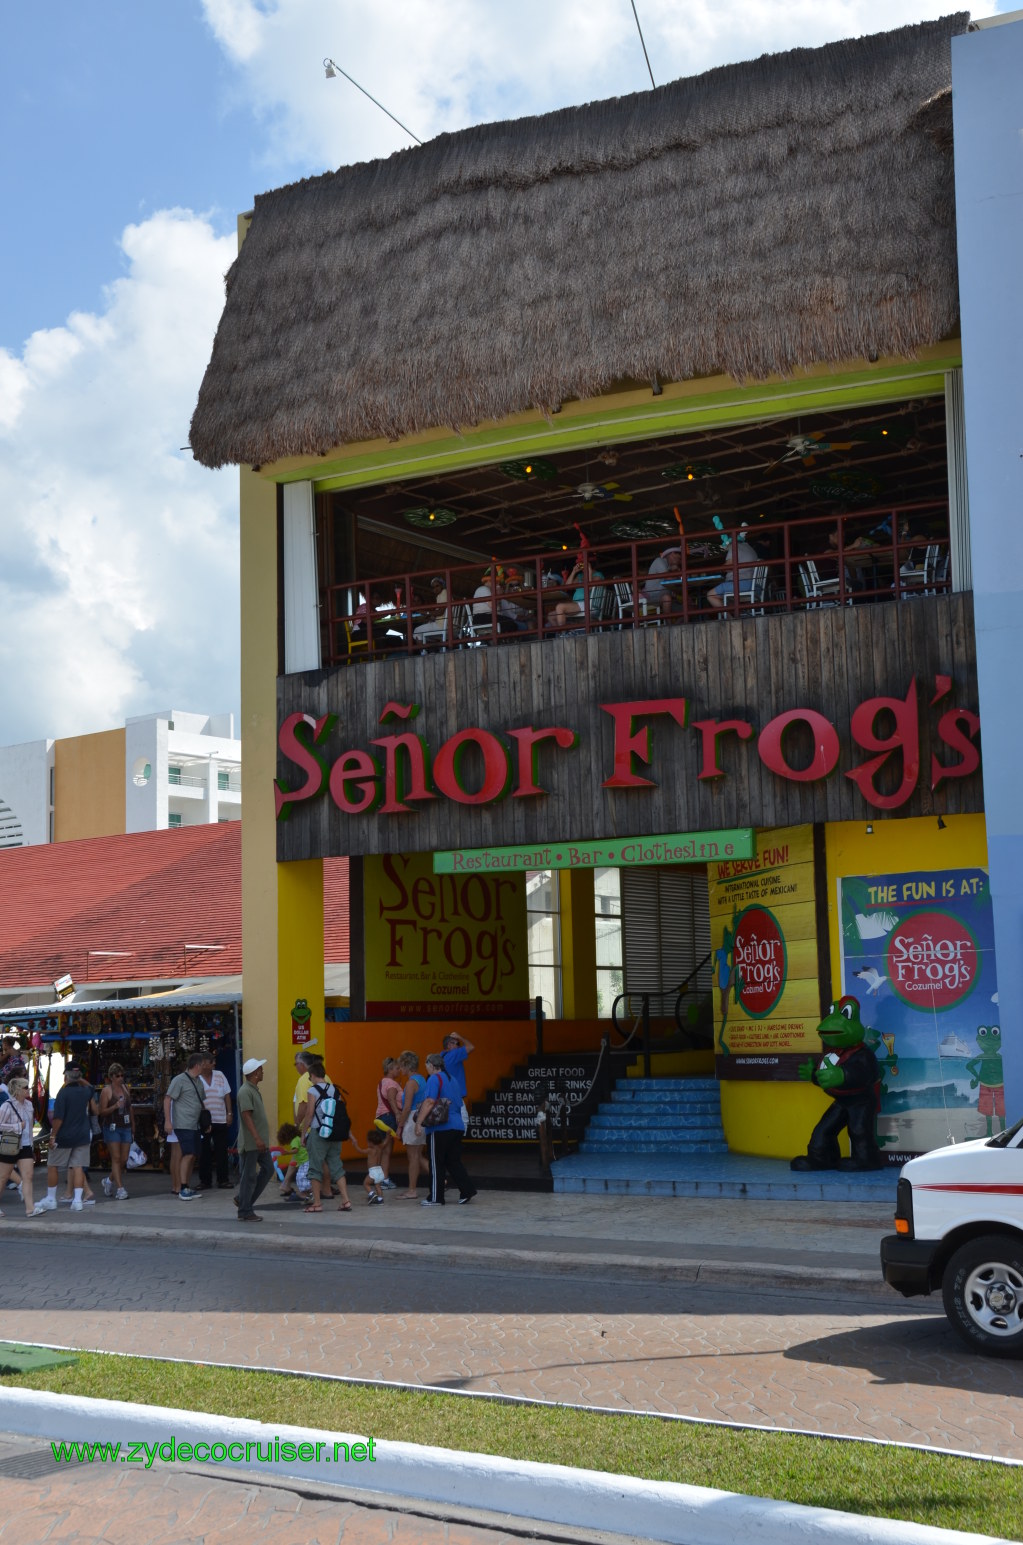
{"x": 959, "y": 1223}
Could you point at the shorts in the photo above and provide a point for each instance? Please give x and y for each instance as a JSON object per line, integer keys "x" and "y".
{"x": 302, "y": 1177}
{"x": 991, "y": 1100}
{"x": 324, "y": 1150}
{"x": 117, "y": 1135}
{"x": 386, "y": 1122}
{"x": 70, "y": 1158}
{"x": 189, "y": 1141}
{"x": 408, "y": 1133}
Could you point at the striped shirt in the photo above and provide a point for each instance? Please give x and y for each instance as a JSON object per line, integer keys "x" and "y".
{"x": 214, "y": 1095}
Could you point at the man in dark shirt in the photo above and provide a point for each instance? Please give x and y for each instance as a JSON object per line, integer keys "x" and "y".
{"x": 70, "y": 1138}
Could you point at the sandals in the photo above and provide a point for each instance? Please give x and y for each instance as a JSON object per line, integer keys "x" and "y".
{"x": 344, "y": 1206}
{"x": 312, "y": 1208}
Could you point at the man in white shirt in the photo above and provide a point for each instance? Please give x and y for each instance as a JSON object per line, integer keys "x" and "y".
{"x": 216, "y": 1096}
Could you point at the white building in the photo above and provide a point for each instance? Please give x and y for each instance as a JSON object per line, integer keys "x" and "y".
{"x": 159, "y": 770}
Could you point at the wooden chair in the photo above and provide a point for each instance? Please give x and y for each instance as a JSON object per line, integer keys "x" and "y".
{"x": 818, "y": 591}
{"x": 631, "y": 608}
{"x": 353, "y": 642}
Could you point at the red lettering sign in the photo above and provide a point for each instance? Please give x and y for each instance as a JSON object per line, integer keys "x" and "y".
{"x": 478, "y": 766}
{"x": 760, "y": 960}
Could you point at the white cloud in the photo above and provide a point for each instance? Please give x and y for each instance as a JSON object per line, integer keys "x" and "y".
{"x": 118, "y": 589}
{"x": 443, "y": 64}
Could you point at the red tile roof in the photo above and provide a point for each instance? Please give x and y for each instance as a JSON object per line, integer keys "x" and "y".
{"x": 150, "y": 894}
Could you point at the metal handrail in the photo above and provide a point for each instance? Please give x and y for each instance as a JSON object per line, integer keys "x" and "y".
{"x": 397, "y": 612}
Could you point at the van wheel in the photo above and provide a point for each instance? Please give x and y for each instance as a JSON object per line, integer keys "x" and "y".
{"x": 982, "y": 1289}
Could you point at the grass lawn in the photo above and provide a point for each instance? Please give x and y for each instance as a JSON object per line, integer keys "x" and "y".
{"x": 972, "y": 1495}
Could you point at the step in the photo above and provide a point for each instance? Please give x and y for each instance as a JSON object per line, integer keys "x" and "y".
{"x": 667, "y": 1101}
{"x": 704, "y": 1085}
{"x": 591, "y": 1145}
{"x": 697, "y": 1130}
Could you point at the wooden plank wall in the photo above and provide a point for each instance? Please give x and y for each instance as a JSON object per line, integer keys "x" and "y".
{"x": 829, "y": 660}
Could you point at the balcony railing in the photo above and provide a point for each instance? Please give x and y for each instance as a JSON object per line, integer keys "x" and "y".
{"x": 890, "y": 553}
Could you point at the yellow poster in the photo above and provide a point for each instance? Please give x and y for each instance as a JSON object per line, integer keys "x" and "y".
{"x": 763, "y": 926}
{"x": 443, "y": 945}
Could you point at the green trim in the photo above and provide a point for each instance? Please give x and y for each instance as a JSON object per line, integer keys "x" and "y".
{"x": 660, "y": 416}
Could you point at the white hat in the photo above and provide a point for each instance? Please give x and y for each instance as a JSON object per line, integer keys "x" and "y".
{"x": 252, "y": 1064}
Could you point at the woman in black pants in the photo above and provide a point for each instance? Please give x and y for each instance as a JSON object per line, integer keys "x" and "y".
{"x": 446, "y": 1136}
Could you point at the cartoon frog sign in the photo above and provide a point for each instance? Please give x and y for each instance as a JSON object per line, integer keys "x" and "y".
{"x": 301, "y": 1029}
{"x": 986, "y": 1070}
{"x": 848, "y": 1072}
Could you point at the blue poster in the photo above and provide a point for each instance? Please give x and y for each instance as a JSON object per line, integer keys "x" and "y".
{"x": 918, "y": 952}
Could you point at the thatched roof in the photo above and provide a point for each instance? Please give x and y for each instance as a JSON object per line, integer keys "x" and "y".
{"x": 794, "y": 210}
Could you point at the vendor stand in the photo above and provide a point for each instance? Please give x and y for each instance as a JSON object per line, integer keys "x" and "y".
{"x": 152, "y": 1037}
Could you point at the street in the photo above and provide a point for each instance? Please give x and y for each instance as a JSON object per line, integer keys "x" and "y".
{"x": 879, "y": 1369}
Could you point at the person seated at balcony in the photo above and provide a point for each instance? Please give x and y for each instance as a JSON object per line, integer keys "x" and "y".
{"x": 386, "y": 624}
{"x": 510, "y": 608}
{"x": 486, "y": 611}
{"x": 582, "y": 574}
{"x": 435, "y": 629}
{"x": 669, "y": 562}
{"x": 748, "y": 557}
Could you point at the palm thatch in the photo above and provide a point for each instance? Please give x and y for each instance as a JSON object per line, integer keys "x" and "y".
{"x": 786, "y": 212}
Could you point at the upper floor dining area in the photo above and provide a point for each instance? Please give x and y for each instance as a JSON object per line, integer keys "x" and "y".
{"x": 842, "y": 509}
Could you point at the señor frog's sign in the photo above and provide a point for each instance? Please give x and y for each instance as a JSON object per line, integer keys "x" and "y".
{"x": 401, "y": 771}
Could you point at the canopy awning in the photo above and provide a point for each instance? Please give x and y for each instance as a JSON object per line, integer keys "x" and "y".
{"x": 215, "y": 992}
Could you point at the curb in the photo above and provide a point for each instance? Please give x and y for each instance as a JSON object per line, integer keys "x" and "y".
{"x": 664, "y": 1511}
{"x": 811, "y": 1281}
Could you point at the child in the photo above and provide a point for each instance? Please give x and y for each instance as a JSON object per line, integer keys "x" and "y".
{"x": 374, "y": 1182}
{"x": 296, "y": 1178}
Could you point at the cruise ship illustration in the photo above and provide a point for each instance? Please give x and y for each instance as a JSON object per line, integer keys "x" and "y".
{"x": 952, "y": 1046}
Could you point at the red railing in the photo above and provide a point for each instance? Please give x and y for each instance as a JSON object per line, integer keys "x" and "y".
{"x": 888, "y": 553}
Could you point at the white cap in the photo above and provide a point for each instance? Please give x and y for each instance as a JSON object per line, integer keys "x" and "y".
{"x": 252, "y": 1064}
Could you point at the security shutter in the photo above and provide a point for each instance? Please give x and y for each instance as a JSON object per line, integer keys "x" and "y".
{"x": 665, "y": 926}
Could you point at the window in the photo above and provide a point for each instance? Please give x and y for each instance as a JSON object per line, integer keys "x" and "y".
{"x": 607, "y": 900}
{"x": 174, "y": 775}
{"x": 543, "y": 933}
{"x": 223, "y": 780}
{"x": 174, "y": 819}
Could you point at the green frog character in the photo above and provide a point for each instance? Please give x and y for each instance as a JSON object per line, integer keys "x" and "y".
{"x": 986, "y": 1070}
{"x": 848, "y": 1073}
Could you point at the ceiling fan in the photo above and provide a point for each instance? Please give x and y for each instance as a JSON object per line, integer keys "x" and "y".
{"x": 598, "y": 493}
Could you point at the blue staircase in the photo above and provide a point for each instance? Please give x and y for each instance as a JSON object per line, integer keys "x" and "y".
{"x": 658, "y": 1115}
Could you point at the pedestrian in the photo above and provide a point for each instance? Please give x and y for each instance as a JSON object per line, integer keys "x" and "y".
{"x": 445, "y": 1141}
{"x": 374, "y": 1181}
{"x": 325, "y": 1127}
{"x": 17, "y": 1119}
{"x": 70, "y": 1138}
{"x": 253, "y": 1142}
{"x": 456, "y": 1048}
{"x": 388, "y": 1115}
{"x": 303, "y": 1059}
{"x": 117, "y": 1123}
{"x": 412, "y": 1098}
{"x": 183, "y": 1112}
{"x": 216, "y": 1097}
{"x": 296, "y": 1159}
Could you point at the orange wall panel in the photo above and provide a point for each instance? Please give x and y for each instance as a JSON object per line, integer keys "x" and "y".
{"x": 88, "y": 795}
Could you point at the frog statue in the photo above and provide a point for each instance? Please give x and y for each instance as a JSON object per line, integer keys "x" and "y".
{"x": 986, "y": 1070}
{"x": 849, "y": 1074}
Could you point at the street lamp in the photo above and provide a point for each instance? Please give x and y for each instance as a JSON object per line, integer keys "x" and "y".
{"x": 331, "y": 70}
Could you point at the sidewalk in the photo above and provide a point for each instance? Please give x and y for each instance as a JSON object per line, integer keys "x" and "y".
{"x": 738, "y": 1242}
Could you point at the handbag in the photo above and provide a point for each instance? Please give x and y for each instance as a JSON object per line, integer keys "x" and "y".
{"x": 205, "y": 1119}
{"x": 10, "y": 1143}
{"x": 439, "y": 1112}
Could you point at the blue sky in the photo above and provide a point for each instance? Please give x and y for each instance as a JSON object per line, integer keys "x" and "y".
{"x": 133, "y": 132}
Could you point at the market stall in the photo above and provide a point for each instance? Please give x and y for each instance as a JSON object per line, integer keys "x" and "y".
{"x": 152, "y": 1038}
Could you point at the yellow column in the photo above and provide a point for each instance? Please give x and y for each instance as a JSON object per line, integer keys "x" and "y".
{"x": 282, "y": 904}
{"x": 578, "y": 945}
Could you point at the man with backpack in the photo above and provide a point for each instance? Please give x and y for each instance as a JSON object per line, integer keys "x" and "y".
{"x": 325, "y": 1125}
{"x": 253, "y": 1142}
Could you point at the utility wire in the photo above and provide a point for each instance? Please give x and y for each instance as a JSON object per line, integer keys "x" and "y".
{"x": 646, "y": 56}
{"x": 330, "y": 66}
